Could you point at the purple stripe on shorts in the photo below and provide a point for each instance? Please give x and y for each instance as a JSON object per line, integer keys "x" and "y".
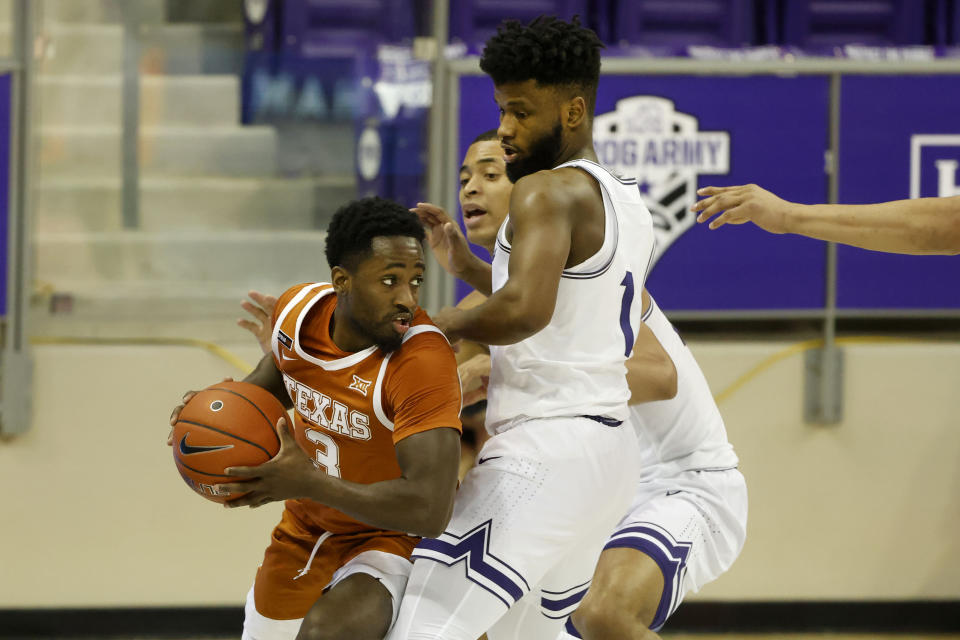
{"x": 473, "y": 547}
{"x": 558, "y": 605}
{"x": 670, "y": 565}
{"x": 572, "y": 630}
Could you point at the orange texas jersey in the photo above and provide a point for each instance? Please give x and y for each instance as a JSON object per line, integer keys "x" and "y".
{"x": 353, "y": 408}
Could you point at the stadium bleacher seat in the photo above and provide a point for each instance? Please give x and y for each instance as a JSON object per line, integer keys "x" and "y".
{"x": 817, "y": 24}
{"x": 474, "y": 21}
{"x": 312, "y": 28}
{"x": 679, "y": 23}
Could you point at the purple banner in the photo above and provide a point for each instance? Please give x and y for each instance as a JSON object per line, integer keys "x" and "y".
{"x": 676, "y": 134}
{"x": 899, "y": 138}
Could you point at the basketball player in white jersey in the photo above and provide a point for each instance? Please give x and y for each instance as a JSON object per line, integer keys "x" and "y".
{"x": 687, "y": 522}
{"x": 564, "y": 309}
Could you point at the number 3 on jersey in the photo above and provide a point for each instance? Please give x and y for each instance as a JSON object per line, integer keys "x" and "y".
{"x": 628, "y": 333}
{"x": 329, "y": 456}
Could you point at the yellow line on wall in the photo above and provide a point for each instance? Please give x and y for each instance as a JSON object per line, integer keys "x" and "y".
{"x": 800, "y": 347}
{"x": 210, "y": 347}
{"x": 245, "y": 367}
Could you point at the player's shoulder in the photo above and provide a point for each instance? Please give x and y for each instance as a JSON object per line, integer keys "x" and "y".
{"x": 554, "y": 189}
{"x": 423, "y": 341}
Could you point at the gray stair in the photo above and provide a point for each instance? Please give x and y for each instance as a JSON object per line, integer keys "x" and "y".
{"x": 213, "y": 263}
{"x": 167, "y": 204}
{"x": 223, "y": 150}
{"x": 215, "y": 220}
{"x": 178, "y": 101}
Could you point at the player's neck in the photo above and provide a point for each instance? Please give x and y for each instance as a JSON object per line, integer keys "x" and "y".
{"x": 577, "y": 150}
{"x": 344, "y": 333}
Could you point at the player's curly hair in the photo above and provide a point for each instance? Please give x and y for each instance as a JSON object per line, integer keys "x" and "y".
{"x": 548, "y": 50}
{"x": 357, "y": 223}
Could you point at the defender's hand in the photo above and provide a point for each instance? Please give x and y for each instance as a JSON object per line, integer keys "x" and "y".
{"x": 743, "y": 203}
{"x": 474, "y": 377}
{"x": 260, "y": 306}
{"x": 446, "y": 320}
{"x": 447, "y": 241}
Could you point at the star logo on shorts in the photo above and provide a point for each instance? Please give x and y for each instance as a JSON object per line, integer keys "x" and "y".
{"x": 359, "y": 384}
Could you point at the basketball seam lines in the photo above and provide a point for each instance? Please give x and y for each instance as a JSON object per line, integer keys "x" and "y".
{"x": 227, "y": 433}
{"x": 273, "y": 428}
{"x": 205, "y": 473}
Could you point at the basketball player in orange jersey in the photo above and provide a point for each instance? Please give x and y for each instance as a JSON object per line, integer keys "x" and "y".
{"x": 372, "y": 459}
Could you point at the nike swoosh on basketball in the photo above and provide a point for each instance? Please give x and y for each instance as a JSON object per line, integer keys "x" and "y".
{"x": 187, "y": 450}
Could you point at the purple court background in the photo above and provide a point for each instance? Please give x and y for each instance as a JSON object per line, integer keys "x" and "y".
{"x": 878, "y": 115}
{"x": 778, "y": 128}
{"x": 778, "y": 135}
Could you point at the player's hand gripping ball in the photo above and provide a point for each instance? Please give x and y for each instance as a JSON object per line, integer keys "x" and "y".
{"x": 228, "y": 424}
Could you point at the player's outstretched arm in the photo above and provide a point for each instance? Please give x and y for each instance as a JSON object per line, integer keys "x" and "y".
{"x": 651, "y": 373}
{"x": 921, "y": 226}
{"x": 450, "y": 247}
{"x": 541, "y": 216}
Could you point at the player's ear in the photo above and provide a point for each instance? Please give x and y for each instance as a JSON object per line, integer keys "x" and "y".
{"x": 575, "y": 112}
{"x": 340, "y": 280}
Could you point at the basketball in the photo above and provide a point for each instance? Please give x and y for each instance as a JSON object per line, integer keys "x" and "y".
{"x": 228, "y": 424}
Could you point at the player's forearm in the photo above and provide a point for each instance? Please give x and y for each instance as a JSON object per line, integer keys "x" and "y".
{"x": 267, "y": 376}
{"x": 651, "y": 373}
{"x": 394, "y": 505}
{"x": 651, "y": 379}
{"x": 507, "y": 317}
{"x": 478, "y": 274}
{"x": 921, "y": 226}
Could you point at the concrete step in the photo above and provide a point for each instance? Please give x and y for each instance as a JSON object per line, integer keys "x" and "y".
{"x": 96, "y": 11}
{"x": 193, "y": 49}
{"x": 97, "y": 49}
{"x": 81, "y": 49}
{"x": 91, "y": 152}
{"x": 96, "y": 100}
{"x": 167, "y": 204}
{"x": 121, "y": 264}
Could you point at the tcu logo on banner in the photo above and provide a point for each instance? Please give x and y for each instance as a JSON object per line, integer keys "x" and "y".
{"x": 934, "y": 160}
{"x": 646, "y": 138}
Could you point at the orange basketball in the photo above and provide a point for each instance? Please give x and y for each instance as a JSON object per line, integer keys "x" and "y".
{"x": 228, "y": 424}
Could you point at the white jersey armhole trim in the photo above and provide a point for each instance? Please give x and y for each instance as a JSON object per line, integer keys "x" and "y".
{"x": 600, "y": 261}
{"x": 378, "y": 387}
{"x": 275, "y": 337}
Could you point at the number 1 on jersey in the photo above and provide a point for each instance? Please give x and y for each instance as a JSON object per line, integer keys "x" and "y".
{"x": 628, "y": 334}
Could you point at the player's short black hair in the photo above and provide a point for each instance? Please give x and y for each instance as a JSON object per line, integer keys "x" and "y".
{"x": 486, "y": 135}
{"x": 357, "y": 223}
{"x": 548, "y": 50}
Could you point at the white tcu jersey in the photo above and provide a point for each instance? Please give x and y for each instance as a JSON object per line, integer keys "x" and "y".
{"x": 687, "y": 431}
{"x": 574, "y": 366}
